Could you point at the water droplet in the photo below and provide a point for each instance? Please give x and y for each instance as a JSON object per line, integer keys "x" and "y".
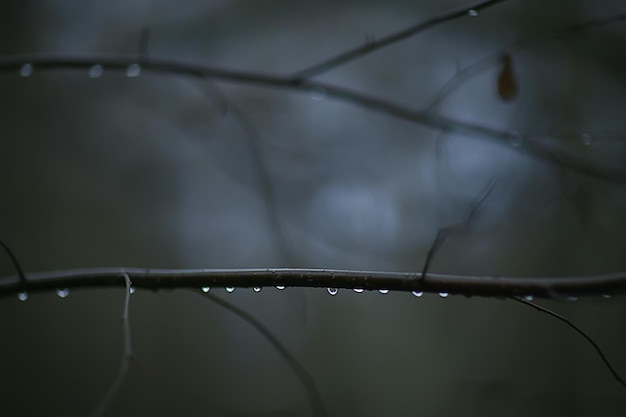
{"x": 26, "y": 70}
{"x": 132, "y": 290}
{"x": 571, "y": 299}
{"x": 443, "y": 294}
{"x": 332, "y": 291}
{"x": 230, "y": 289}
{"x": 472, "y": 12}
{"x": 318, "y": 94}
{"x": 586, "y": 139}
{"x": 516, "y": 139}
{"x": 22, "y": 296}
{"x": 256, "y": 289}
{"x": 529, "y": 298}
{"x": 63, "y": 292}
{"x": 358, "y": 290}
{"x": 606, "y": 296}
{"x": 133, "y": 71}
{"x": 383, "y": 291}
{"x": 96, "y": 71}
{"x": 206, "y": 289}
{"x": 280, "y": 287}
{"x": 417, "y": 293}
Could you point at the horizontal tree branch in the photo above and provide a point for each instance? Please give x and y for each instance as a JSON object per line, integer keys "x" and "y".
{"x": 161, "y": 279}
{"x": 537, "y": 146}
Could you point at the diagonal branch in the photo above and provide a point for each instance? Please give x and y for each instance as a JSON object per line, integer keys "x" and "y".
{"x": 485, "y": 63}
{"x": 369, "y": 47}
{"x": 442, "y": 234}
{"x": 302, "y": 374}
{"x": 579, "y": 331}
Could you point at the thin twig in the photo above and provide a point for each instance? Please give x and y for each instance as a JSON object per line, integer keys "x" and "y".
{"x": 524, "y": 43}
{"x": 16, "y": 264}
{"x": 302, "y": 374}
{"x": 442, "y": 233}
{"x": 126, "y": 356}
{"x": 374, "y": 45}
{"x": 578, "y": 330}
{"x": 265, "y": 183}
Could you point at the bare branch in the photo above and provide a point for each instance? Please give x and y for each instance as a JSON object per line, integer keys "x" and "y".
{"x": 578, "y": 330}
{"x": 442, "y": 233}
{"x": 127, "y": 356}
{"x": 302, "y": 374}
{"x": 16, "y": 264}
{"x": 371, "y": 46}
{"x": 158, "y": 279}
{"x": 535, "y": 146}
{"x": 521, "y": 44}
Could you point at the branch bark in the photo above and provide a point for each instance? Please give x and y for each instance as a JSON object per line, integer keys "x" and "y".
{"x": 160, "y": 279}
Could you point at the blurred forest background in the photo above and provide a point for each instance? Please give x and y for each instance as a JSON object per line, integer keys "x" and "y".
{"x": 157, "y": 171}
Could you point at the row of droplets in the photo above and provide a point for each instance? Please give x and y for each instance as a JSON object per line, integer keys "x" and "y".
{"x": 96, "y": 70}
{"x": 331, "y": 291}
{"x": 65, "y": 292}
{"x": 60, "y": 292}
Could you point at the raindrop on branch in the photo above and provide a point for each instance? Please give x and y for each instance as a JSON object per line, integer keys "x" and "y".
{"x": 358, "y": 290}
{"x": 529, "y": 298}
{"x": 280, "y": 287}
{"x": 417, "y": 293}
{"x": 132, "y": 290}
{"x": 607, "y": 296}
{"x": 22, "y": 296}
{"x": 230, "y": 289}
{"x": 26, "y": 70}
{"x": 332, "y": 291}
{"x": 383, "y": 291}
{"x": 206, "y": 289}
{"x": 133, "y": 71}
{"x": 63, "y": 292}
{"x": 256, "y": 289}
{"x": 96, "y": 71}
{"x": 472, "y": 12}
{"x": 443, "y": 294}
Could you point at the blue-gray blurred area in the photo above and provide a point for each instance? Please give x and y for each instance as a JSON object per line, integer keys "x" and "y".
{"x": 156, "y": 170}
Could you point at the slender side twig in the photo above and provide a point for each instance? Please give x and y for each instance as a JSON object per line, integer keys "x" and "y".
{"x": 16, "y": 264}
{"x": 302, "y": 374}
{"x": 533, "y": 145}
{"x": 166, "y": 279}
{"x": 374, "y": 45}
{"x": 127, "y": 356}
{"x": 442, "y": 233}
{"x": 265, "y": 183}
{"x": 578, "y": 330}
{"x": 485, "y": 63}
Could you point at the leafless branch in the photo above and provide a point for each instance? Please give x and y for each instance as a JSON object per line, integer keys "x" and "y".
{"x": 483, "y": 64}
{"x": 535, "y": 146}
{"x": 579, "y": 331}
{"x": 302, "y": 374}
{"x": 374, "y": 45}
{"x": 158, "y": 279}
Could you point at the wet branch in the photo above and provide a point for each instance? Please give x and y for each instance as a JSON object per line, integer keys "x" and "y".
{"x": 161, "y": 279}
{"x": 536, "y": 146}
{"x": 374, "y": 45}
